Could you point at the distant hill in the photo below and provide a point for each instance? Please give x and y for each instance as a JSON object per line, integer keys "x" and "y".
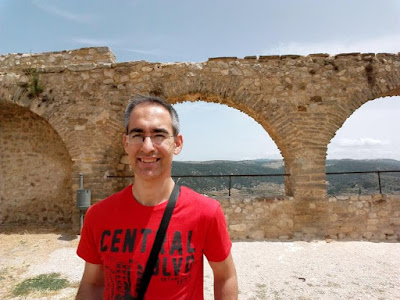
{"x": 337, "y": 184}
{"x": 363, "y": 183}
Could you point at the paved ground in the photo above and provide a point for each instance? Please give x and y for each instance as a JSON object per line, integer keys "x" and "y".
{"x": 266, "y": 270}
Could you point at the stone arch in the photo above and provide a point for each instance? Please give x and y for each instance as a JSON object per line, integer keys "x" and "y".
{"x": 35, "y": 170}
{"x": 378, "y": 76}
{"x": 249, "y": 111}
{"x": 375, "y": 86}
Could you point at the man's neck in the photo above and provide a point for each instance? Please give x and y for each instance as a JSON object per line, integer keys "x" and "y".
{"x": 151, "y": 193}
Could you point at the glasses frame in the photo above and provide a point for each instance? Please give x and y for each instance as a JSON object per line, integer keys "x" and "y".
{"x": 143, "y": 137}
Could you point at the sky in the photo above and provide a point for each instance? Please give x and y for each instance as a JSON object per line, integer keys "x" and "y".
{"x": 194, "y": 30}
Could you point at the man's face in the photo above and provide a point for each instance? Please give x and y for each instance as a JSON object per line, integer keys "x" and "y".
{"x": 151, "y": 161}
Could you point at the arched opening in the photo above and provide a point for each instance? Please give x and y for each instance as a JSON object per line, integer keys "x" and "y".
{"x": 367, "y": 141}
{"x": 35, "y": 170}
{"x": 221, "y": 140}
{"x": 218, "y": 132}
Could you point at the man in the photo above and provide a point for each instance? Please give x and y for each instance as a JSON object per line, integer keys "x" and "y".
{"x": 119, "y": 232}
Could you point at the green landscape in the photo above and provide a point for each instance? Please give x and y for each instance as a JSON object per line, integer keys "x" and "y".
{"x": 337, "y": 184}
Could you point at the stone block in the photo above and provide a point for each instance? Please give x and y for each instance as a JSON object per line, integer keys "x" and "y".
{"x": 372, "y": 228}
{"x": 365, "y": 198}
{"x": 383, "y": 213}
{"x": 333, "y": 218}
{"x": 147, "y": 69}
{"x": 377, "y": 197}
{"x": 355, "y": 235}
{"x": 395, "y": 221}
{"x": 346, "y": 228}
{"x": 259, "y": 210}
{"x": 81, "y": 67}
{"x": 125, "y": 160}
{"x": 108, "y": 81}
{"x": 257, "y": 235}
{"x": 238, "y": 227}
{"x": 372, "y": 221}
{"x": 351, "y": 209}
{"x": 367, "y": 235}
{"x": 393, "y": 237}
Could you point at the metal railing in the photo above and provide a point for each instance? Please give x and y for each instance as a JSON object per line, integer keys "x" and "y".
{"x": 367, "y": 172}
{"x": 270, "y": 175}
{"x": 230, "y": 177}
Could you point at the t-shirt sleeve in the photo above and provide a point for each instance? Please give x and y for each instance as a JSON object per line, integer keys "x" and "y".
{"x": 218, "y": 243}
{"x": 87, "y": 248}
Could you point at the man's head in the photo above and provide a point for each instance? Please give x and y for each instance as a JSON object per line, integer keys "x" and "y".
{"x": 152, "y": 137}
{"x": 152, "y": 100}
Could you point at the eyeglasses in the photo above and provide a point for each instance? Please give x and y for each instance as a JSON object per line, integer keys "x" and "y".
{"x": 138, "y": 139}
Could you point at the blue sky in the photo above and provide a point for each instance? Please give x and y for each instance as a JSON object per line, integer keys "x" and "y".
{"x": 176, "y": 31}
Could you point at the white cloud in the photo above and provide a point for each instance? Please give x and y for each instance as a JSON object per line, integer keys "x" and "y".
{"x": 362, "y": 153}
{"x": 49, "y": 7}
{"x": 389, "y": 43}
{"x": 360, "y": 142}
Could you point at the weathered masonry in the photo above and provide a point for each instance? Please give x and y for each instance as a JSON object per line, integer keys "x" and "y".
{"x": 61, "y": 114}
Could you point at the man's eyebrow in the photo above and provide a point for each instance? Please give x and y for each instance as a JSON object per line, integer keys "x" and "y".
{"x": 135, "y": 130}
{"x": 156, "y": 130}
{"x": 160, "y": 130}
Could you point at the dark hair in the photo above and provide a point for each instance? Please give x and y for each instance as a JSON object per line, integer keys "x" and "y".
{"x": 140, "y": 99}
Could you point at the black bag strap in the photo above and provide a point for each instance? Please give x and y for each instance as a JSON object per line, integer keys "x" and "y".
{"x": 155, "y": 250}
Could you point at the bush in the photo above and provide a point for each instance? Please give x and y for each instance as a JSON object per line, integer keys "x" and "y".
{"x": 43, "y": 282}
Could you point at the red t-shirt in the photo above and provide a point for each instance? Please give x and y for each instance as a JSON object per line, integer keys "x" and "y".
{"x": 118, "y": 233}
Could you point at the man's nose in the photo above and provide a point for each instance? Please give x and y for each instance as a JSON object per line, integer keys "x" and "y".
{"x": 147, "y": 144}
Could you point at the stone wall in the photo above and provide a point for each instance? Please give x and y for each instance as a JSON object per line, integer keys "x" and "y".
{"x": 35, "y": 171}
{"x": 301, "y": 101}
{"x": 367, "y": 217}
{"x": 87, "y": 56}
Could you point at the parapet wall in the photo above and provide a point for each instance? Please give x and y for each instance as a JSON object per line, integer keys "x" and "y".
{"x": 49, "y": 59}
{"x": 365, "y": 217}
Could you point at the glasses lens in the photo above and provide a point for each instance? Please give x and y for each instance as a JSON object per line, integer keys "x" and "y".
{"x": 158, "y": 139}
{"x": 135, "y": 139}
{"x": 138, "y": 139}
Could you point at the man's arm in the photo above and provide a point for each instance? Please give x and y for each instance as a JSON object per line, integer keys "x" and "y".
{"x": 225, "y": 279}
{"x": 92, "y": 283}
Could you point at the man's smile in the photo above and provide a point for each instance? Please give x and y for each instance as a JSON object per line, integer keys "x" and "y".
{"x": 149, "y": 160}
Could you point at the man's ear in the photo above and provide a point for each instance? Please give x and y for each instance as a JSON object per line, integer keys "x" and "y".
{"x": 178, "y": 144}
{"x": 125, "y": 141}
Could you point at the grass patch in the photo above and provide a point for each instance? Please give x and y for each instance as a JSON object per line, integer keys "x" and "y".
{"x": 261, "y": 291}
{"x": 43, "y": 282}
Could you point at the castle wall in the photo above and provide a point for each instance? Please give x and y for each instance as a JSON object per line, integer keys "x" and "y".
{"x": 301, "y": 101}
{"x": 366, "y": 217}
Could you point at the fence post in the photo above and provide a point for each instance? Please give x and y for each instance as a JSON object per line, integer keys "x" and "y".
{"x": 379, "y": 179}
{"x": 230, "y": 184}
